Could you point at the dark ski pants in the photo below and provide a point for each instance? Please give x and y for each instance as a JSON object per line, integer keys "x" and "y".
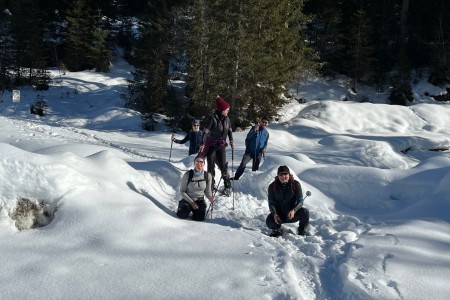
{"x": 217, "y": 156}
{"x": 301, "y": 215}
{"x": 245, "y": 160}
{"x": 184, "y": 209}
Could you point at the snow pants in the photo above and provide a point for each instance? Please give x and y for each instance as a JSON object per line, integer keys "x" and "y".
{"x": 301, "y": 216}
{"x": 245, "y": 160}
{"x": 184, "y": 209}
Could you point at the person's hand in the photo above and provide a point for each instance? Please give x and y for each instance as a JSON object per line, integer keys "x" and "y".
{"x": 263, "y": 150}
{"x": 277, "y": 218}
{"x": 173, "y": 137}
{"x": 211, "y": 199}
{"x": 200, "y": 149}
{"x": 291, "y": 214}
{"x": 232, "y": 144}
{"x": 194, "y": 206}
{"x": 256, "y": 127}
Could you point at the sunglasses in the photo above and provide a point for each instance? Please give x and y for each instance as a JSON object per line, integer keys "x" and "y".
{"x": 199, "y": 162}
{"x": 283, "y": 174}
{"x": 196, "y": 125}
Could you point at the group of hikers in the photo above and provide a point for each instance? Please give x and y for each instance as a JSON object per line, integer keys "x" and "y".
{"x": 285, "y": 194}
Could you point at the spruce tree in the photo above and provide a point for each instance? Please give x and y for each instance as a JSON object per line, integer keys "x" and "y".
{"x": 246, "y": 51}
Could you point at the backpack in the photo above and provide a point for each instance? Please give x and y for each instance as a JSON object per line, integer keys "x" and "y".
{"x": 191, "y": 175}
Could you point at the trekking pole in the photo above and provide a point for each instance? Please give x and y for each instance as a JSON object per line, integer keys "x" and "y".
{"x": 211, "y": 205}
{"x": 170, "y": 153}
{"x": 232, "y": 167}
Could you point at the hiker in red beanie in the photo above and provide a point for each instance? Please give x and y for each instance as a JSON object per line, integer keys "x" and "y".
{"x": 215, "y": 132}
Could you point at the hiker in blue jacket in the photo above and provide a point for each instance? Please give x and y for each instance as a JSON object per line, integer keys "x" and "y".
{"x": 194, "y": 137}
{"x": 255, "y": 147}
{"x": 286, "y": 203}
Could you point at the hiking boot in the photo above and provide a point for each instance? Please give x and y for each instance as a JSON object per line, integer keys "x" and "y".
{"x": 276, "y": 232}
{"x": 301, "y": 231}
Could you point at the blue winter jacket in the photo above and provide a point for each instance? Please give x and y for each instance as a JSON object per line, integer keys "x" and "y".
{"x": 256, "y": 141}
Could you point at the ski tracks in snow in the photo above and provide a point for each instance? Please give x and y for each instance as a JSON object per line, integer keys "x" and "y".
{"x": 299, "y": 267}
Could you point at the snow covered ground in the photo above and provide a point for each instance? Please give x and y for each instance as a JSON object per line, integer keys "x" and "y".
{"x": 379, "y": 205}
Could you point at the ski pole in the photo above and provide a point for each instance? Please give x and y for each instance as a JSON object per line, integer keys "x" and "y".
{"x": 211, "y": 205}
{"x": 170, "y": 153}
{"x": 232, "y": 167}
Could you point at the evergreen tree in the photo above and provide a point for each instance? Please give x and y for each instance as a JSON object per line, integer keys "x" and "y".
{"x": 78, "y": 40}
{"x": 361, "y": 50}
{"x": 6, "y": 51}
{"x": 246, "y": 51}
{"x": 152, "y": 55}
{"x": 30, "y": 51}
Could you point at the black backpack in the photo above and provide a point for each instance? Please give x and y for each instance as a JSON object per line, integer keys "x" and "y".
{"x": 191, "y": 175}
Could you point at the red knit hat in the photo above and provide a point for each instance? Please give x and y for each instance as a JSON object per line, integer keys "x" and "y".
{"x": 221, "y": 104}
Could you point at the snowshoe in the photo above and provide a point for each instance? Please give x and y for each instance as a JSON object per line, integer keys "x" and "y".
{"x": 276, "y": 232}
{"x": 227, "y": 191}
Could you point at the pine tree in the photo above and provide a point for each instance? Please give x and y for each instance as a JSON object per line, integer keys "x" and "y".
{"x": 361, "y": 50}
{"x": 246, "y": 51}
{"x": 78, "y": 37}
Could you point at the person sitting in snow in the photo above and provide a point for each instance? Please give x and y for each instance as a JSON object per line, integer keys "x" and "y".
{"x": 255, "y": 147}
{"x": 194, "y": 137}
{"x": 216, "y": 130}
{"x": 195, "y": 186}
{"x": 286, "y": 203}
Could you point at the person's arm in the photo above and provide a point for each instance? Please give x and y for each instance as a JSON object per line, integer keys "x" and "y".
{"x": 207, "y": 129}
{"x": 271, "y": 198}
{"x": 264, "y": 148}
{"x": 186, "y": 138}
{"x": 230, "y": 134}
{"x": 298, "y": 196}
{"x": 183, "y": 188}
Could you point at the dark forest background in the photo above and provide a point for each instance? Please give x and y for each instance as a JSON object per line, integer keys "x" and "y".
{"x": 245, "y": 51}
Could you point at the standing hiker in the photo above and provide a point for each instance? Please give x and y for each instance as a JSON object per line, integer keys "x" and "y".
{"x": 195, "y": 186}
{"x": 217, "y": 128}
{"x": 255, "y": 147}
{"x": 194, "y": 136}
{"x": 285, "y": 203}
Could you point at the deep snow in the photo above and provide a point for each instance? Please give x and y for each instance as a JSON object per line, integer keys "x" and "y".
{"x": 379, "y": 205}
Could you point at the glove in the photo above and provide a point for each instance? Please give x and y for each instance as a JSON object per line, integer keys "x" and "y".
{"x": 173, "y": 137}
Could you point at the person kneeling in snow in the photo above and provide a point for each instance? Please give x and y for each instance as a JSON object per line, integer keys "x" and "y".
{"x": 285, "y": 203}
{"x": 195, "y": 185}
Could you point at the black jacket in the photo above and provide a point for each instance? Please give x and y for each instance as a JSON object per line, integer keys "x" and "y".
{"x": 217, "y": 127}
{"x": 194, "y": 138}
{"x": 284, "y": 197}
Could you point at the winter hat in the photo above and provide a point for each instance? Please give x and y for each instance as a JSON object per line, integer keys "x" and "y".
{"x": 195, "y": 122}
{"x": 221, "y": 104}
{"x": 283, "y": 169}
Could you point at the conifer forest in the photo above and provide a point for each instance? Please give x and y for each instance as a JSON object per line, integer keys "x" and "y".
{"x": 248, "y": 52}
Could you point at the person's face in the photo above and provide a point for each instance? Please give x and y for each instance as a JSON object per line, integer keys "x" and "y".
{"x": 225, "y": 112}
{"x": 283, "y": 177}
{"x": 199, "y": 163}
{"x": 196, "y": 127}
{"x": 265, "y": 123}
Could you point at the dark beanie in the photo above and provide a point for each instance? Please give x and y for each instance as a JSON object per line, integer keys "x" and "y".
{"x": 221, "y": 104}
{"x": 195, "y": 122}
{"x": 283, "y": 169}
